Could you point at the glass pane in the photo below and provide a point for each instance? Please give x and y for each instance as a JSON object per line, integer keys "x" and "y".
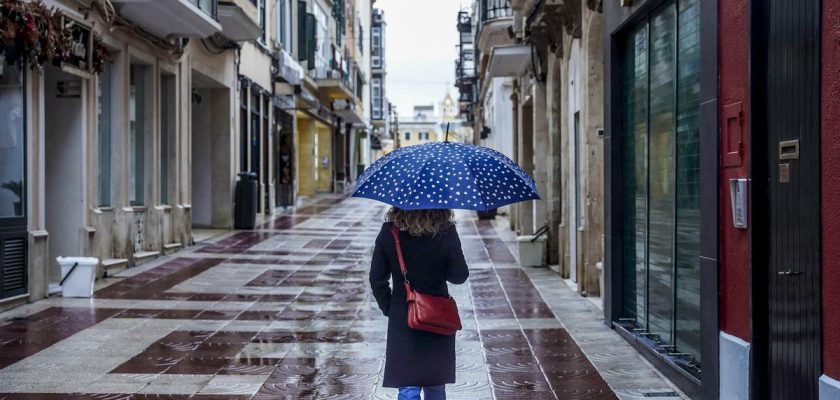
{"x": 634, "y": 175}
{"x": 137, "y": 129}
{"x": 104, "y": 122}
{"x": 661, "y": 189}
{"x": 688, "y": 181}
{"x": 12, "y": 167}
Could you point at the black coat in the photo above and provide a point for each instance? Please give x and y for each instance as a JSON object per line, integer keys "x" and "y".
{"x": 416, "y": 358}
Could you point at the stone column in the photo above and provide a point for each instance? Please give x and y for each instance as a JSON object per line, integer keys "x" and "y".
{"x": 542, "y": 160}
{"x": 554, "y": 91}
{"x": 592, "y": 110}
{"x": 514, "y": 98}
{"x": 526, "y": 161}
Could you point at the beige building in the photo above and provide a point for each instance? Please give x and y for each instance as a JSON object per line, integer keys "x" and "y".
{"x": 537, "y": 95}
{"x": 121, "y": 160}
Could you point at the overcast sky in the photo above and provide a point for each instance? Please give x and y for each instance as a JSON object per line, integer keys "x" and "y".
{"x": 420, "y": 50}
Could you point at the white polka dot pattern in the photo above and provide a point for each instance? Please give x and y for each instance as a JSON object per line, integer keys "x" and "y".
{"x": 446, "y": 175}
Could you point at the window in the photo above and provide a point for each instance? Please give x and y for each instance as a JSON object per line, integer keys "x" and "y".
{"x": 12, "y": 149}
{"x": 322, "y": 46}
{"x": 408, "y": 136}
{"x": 138, "y": 116}
{"x": 167, "y": 135}
{"x": 284, "y": 24}
{"x": 361, "y": 37}
{"x": 104, "y": 101}
{"x": 660, "y": 106}
{"x": 376, "y": 49}
{"x": 261, "y": 10}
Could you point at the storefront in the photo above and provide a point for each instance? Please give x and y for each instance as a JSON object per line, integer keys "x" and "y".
{"x": 657, "y": 204}
{"x": 13, "y": 181}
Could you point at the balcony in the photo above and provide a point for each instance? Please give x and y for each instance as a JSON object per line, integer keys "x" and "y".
{"x": 494, "y": 19}
{"x": 349, "y": 112}
{"x": 172, "y": 18}
{"x": 239, "y": 20}
{"x": 332, "y": 86}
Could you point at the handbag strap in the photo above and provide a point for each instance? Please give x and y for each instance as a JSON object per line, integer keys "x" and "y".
{"x": 396, "y": 233}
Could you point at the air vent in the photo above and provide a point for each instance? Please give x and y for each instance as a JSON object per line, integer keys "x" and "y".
{"x": 13, "y": 266}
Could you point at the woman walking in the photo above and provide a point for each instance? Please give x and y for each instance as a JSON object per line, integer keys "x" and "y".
{"x": 417, "y": 360}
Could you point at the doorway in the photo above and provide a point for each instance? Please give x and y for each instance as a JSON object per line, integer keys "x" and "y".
{"x": 212, "y": 152}
{"x": 575, "y": 193}
{"x": 64, "y": 146}
{"x": 13, "y": 187}
{"x": 786, "y": 242}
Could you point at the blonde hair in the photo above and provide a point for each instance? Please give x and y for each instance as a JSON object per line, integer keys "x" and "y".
{"x": 421, "y": 222}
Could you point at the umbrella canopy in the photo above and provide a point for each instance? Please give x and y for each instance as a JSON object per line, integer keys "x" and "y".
{"x": 446, "y": 175}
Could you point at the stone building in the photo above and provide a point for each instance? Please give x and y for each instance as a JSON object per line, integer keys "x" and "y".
{"x": 535, "y": 93}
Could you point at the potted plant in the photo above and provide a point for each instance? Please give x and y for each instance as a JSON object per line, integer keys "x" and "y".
{"x": 17, "y": 189}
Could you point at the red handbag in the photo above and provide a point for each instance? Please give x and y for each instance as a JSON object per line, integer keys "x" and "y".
{"x": 437, "y": 314}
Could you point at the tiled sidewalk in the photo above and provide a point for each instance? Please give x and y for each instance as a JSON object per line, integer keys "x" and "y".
{"x": 284, "y": 312}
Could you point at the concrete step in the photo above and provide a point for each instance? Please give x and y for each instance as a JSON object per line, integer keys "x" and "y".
{"x": 112, "y": 266}
{"x": 170, "y": 248}
{"x": 142, "y": 257}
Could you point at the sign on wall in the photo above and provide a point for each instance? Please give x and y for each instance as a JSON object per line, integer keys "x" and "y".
{"x": 81, "y": 43}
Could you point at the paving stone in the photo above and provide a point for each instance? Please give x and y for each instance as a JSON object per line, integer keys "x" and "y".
{"x": 285, "y": 312}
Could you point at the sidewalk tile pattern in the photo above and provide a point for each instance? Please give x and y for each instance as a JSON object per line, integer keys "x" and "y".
{"x": 285, "y": 312}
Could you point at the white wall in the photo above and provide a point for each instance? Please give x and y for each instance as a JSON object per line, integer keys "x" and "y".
{"x": 498, "y": 117}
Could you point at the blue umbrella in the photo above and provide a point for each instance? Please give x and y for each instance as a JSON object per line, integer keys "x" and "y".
{"x": 446, "y": 175}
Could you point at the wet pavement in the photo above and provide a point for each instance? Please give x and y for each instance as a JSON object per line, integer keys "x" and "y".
{"x": 285, "y": 312}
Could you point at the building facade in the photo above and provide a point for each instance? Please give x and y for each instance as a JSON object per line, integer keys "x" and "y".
{"x": 522, "y": 72}
{"x": 122, "y": 146}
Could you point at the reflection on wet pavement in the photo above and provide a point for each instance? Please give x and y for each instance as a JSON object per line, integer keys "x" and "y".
{"x": 285, "y": 313}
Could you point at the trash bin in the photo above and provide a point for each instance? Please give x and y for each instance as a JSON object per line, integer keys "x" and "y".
{"x": 77, "y": 275}
{"x": 531, "y": 248}
{"x": 245, "y": 201}
{"x": 531, "y": 251}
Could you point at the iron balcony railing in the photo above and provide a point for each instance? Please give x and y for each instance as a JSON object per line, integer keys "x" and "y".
{"x": 210, "y": 7}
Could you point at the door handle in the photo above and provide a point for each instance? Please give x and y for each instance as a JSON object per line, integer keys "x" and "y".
{"x": 789, "y": 273}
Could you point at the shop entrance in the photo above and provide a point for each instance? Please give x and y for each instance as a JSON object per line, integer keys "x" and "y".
{"x": 212, "y": 169}
{"x": 13, "y": 213}
{"x": 787, "y": 239}
{"x": 64, "y": 155}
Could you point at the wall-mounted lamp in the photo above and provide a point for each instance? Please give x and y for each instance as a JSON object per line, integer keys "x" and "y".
{"x": 624, "y": 3}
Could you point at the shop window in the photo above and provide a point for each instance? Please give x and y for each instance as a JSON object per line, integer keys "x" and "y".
{"x": 139, "y": 115}
{"x": 104, "y": 113}
{"x": 661, "y": 292}
{"x": 12, "y": 149}
{"x": 167, "y": 136}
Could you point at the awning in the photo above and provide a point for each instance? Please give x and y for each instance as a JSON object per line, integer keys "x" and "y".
{"x": 509, "y": 61}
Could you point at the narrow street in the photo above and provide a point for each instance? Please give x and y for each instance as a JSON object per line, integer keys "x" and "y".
{"x": 284, "y": 312}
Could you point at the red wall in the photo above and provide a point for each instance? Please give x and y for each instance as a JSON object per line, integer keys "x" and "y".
{"x": 734, "y": 243}
{"x": 831, "y": 187}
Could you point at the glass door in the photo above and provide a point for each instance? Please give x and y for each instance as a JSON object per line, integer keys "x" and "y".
{"x": 661, "y": 296}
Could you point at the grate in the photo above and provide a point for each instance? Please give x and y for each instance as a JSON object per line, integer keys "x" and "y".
{"x": 660, "y": 394}
{"x": 14, "y": 264}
